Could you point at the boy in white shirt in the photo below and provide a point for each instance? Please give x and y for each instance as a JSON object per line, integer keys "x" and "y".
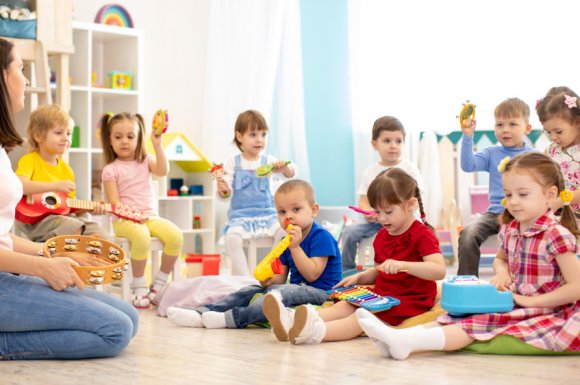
{"x": 388, "y": 139}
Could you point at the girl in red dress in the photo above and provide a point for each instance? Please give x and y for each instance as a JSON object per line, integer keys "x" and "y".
{"x": 536, "y": 261}
{"x": 408, "y": 261}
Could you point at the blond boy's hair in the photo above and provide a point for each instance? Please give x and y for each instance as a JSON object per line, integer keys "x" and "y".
{"x": 43, "y": 119}
{"x": 513, "y": 108}
{"x": 298, "y": 184}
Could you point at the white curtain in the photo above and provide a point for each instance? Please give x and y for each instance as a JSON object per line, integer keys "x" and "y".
{"x": 254, "y": 61}
{"x": 432, "y": 196}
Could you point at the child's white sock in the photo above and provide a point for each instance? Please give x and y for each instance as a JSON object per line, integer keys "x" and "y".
{"x": 160, "y": 281}
{"x": 213, "y": 320}
{"x": 139, "y": 287}
{"x": 401, "y": 342}
{"x": 184, "y": 317}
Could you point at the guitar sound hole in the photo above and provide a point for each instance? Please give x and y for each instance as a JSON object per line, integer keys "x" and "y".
{"x": 51, "y": 201}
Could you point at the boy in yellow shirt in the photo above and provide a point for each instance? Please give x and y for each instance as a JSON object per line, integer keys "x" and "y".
{"x": 43, "y": 170}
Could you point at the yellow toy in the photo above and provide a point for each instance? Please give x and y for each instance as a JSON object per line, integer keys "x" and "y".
{"x": 466, "y": 113}
{"x": 271, "y": 264}
{"x": 160, "y": 122}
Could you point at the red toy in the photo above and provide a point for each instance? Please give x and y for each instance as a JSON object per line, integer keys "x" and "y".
{"x": 217, "y": 172}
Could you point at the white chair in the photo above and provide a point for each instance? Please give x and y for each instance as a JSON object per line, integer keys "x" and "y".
{"x": 156, "y": 248}
{"x": 252, "y": 245}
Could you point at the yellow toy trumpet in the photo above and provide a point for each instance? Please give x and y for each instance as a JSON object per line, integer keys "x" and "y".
{"x": 271, "y": 264}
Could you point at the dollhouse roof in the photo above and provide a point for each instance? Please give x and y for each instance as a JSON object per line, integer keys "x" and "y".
{"x": 180, "y": 150}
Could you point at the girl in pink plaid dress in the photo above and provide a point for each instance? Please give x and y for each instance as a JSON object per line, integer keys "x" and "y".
{"x": 536, "y": 261}
{"x": 559, "y": 113}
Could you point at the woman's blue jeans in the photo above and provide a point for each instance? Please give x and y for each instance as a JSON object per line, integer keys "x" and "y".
{"x": 37, "y": 322}
{"x": 240, "y": 313}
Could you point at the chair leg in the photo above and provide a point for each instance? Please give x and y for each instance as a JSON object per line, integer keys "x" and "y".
{"x": 252, "y": 254}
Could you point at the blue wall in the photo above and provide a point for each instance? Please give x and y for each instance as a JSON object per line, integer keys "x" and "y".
{"x": 327, "y": 101}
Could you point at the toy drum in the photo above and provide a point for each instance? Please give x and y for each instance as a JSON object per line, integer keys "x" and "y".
{"x": 466, "y": 294}
{"x": 109, "y": 253}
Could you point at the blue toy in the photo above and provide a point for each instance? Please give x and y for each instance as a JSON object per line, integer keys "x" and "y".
{"x": 363, "y": 297}
{"x": 466, "y": 294}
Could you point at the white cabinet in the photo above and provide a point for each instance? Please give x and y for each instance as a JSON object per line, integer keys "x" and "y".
{"x": 99, "y": 50}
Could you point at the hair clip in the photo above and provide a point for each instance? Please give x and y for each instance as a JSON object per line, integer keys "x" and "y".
{"x": 504, "y": 202}
{"x": 570, "y": 101}
{"x": 110, "y": 114}
{"x": 503, "y": 163}
{"x": 538, "y": 103}
{"x": 566, "y": 197}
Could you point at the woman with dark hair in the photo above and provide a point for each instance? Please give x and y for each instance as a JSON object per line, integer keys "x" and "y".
{"x": 44, "y": 314}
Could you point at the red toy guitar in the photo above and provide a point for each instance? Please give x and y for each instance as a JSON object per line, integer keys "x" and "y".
{"x": 32, "y": 208}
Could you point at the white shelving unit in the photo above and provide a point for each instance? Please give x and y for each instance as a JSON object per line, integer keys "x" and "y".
{"x": 189, "y": 164}
{"x": 100, "y": 49}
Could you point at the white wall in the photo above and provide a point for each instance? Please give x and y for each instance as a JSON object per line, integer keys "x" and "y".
{"x": 175, "y": 45}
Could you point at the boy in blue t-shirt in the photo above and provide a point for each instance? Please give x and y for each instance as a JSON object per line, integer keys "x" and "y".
{"x": 511, "y": 127}
{"x": 312, "y": 259}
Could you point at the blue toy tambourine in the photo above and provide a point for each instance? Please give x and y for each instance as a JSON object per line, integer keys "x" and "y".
{"x": 466, "y": 294}
{"x": 363, "y": 297}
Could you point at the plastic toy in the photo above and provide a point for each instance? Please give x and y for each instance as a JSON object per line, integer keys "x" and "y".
{"x": 119, "y": 80}
{"x": 466, "y": 294}
{"x": 271, "y": 265}
{"x": 217, "y": 172}
{"x": 466, "y": 113}
{"x": 114, "y": 14}
{"x": 160, "y": 122}
{"x": 363, "y": 297}
{"x": 266, "y": 170}
{"x": 359, "y": 210}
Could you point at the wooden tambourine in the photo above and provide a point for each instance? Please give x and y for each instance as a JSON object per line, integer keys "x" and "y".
{"x": 108, "y": 252}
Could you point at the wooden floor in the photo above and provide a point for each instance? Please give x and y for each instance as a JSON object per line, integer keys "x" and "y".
{"x": 163, "y": 353}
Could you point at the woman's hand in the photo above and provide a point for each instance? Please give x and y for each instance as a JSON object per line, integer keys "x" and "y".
{"x": 83, "y": 259}
{"x": 58, "y": 272}
{"x": 501, "y": 281}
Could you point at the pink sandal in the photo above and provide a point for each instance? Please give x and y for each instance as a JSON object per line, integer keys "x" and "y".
{"x": 141, "y": 302}
{"x": 152, "y": 296}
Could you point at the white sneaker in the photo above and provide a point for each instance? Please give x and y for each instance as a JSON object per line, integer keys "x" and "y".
{"x": 281, "y": 318}
{"x": 308, "y": 327}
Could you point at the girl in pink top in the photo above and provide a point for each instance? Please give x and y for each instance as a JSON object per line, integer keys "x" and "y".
{"x": 127, "y": 180}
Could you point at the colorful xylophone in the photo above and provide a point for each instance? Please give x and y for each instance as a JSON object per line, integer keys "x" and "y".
{"x": 363, "y": 297}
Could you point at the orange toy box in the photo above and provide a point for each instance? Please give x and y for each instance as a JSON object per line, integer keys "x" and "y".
{"x": 202, "y": 264}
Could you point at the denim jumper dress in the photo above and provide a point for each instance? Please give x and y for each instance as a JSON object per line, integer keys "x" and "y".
{"x": 252, "y": 206}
